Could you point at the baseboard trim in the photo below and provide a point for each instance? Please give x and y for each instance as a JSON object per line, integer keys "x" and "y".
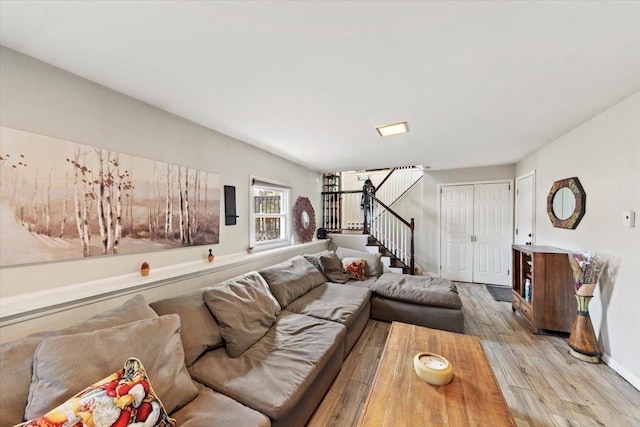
{"x": 622, "y": 371}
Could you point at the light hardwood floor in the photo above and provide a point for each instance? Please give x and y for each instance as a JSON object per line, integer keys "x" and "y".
{"x": 542, "y": 383}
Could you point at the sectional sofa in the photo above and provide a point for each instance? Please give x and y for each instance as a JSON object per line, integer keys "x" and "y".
{"x": 260, "y": 349}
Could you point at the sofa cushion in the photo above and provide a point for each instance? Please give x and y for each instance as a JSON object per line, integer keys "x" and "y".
{"x": 245, "y": 310}
{"x": 200, "y": 331}
{"x": 16, "y": 356}
{"x": 314, "y": 259}
{"x": 291, "y": 279}
{"x": 332, "y": 267}
{"x": 422, "y": 290}
{"x": 368, "y": 283}
{"x": 332, "y": 301}
{"x": 65, "y": 364}
{"x": 132, "y": 310}
{"x": 211, "y": 408}
{"x": 124, "y": 396}
{"x": 275, "y": 372}
{"x": 429, "y": 316}
{"x": 15, "y": 372}
{"x": 373, "y": 261}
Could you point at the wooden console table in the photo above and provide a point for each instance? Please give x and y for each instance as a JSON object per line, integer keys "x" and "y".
{"x": 551, "y": 304}
{"x": 398, "y": 397}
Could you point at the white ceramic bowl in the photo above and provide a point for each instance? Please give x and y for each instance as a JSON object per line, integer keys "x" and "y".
{"x": 433, "y": 368}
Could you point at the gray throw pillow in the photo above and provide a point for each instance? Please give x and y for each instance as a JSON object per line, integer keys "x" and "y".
{"x": 245, "y": 310}
{"x": 314, "y": 259}
{"x": 332, "y": 268}
{"x": 200, "y": 331}
{"x": 16, "y": 356}
{"x": 65, "y": 365}
{"x": 291, "y": 279}
{"x": 373, "y": 261}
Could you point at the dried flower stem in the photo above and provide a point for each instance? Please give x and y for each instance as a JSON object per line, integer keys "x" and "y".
{"x": 587, "y": 268}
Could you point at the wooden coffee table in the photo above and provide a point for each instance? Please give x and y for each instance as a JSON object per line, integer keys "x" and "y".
{"x": 398, "y": 397}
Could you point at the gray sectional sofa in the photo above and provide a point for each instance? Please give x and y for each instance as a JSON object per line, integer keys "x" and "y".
{"x": 260, "y": 349}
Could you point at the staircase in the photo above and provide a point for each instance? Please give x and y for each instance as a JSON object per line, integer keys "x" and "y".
{"x": 397, "y": 182}
{"x": 388, "y": 259}
{"x": 389, "y": 233}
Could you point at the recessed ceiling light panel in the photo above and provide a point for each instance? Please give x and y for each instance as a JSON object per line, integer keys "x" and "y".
{"x": 393, "y": 129}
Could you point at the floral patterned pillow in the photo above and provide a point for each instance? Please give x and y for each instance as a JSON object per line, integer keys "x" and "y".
{"x": 355, "y": 268}
{"x": 123, "y": 398}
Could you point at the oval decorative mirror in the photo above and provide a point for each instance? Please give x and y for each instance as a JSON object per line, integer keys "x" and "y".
{"x": 304, "y": 219}
{"x": 566, "y": 203}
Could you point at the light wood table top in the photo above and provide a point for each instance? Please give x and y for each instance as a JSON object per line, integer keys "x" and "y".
{"x": 398, "y": 397}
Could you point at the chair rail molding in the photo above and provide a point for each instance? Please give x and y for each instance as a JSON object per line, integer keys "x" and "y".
{"x": 30, "y": 305}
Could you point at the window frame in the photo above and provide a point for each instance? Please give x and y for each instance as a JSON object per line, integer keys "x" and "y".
{"x": 271, "y": 185}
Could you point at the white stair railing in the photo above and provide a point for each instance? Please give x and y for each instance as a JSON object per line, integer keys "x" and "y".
{"x": 397, "y": 183}
{"x": 352, "y": 214}
{"x": 393, "y": 232}
{"x": 342, "y": 211}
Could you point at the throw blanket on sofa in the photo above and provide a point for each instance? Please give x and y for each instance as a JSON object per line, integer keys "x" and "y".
{"x": 421, "y": 290}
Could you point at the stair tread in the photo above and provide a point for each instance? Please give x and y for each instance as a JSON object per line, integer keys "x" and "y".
{"x": 389, "y": 260}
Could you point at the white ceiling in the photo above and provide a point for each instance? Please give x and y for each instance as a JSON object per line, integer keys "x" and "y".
{"x": 481, "y": 83}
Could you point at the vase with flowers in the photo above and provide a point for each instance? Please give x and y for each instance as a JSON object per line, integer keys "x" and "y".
{"x": 587, "y": 268}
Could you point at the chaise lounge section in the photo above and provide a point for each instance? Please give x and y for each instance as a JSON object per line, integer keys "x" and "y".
{"x": 419, "y": 300}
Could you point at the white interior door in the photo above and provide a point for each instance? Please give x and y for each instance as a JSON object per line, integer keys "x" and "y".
{"x": 476, "y": 232}
{"x": 525, "y": 205}
{"x": 492, "y": 233}
{"x": 456, "y": 248}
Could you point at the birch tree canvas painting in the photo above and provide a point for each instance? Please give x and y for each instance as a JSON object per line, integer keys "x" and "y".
{"x": 63, "y": 200}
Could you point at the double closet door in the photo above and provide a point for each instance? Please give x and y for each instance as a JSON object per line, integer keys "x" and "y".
{"x": 476, "y": 232}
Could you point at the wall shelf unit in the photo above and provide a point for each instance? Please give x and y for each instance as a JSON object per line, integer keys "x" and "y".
{"x": 542, "y": 287}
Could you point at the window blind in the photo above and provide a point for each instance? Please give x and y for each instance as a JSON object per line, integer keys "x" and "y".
{"x": 261, "y": 182}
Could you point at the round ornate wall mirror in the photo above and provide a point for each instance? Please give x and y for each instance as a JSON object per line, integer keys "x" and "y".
{"x": 566, "y": 203}
{"x": 304, "y": 219}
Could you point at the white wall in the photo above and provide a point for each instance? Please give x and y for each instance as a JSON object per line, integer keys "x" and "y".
{"x": 356, "y": 242}
{"x": 42, "y": 99}
{"x": 427, "y": 243}
{"x": 350, "y": 179}
{"x": 604, "y": 153}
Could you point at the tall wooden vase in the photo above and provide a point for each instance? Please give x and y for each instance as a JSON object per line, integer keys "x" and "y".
{"x": 582, "y": 341}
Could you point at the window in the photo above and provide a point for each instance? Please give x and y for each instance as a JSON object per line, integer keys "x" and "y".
{"x": 269, "y": 213}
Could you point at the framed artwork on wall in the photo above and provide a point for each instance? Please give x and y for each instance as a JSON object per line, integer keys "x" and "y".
{"x": 62, "y": 200}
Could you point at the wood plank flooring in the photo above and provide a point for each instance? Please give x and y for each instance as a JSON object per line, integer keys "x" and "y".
{"x": 542, "y": 383}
